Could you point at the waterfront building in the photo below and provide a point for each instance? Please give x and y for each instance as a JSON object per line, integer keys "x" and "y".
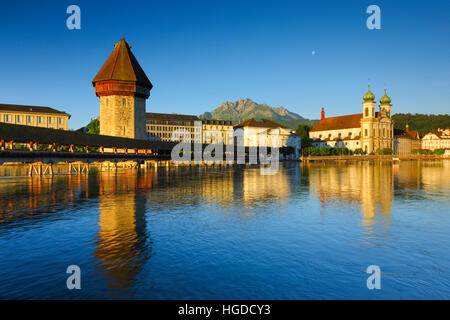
{"x": 123, "y": 88}
{"x": 160, "y": 126}
{"x": 44, "y": 117}
{"x": 258, "y": 133}
{"x": 406, "y": 141}
{"x": 370, "y": 131}
{"x": 436, "y": 139}
{"x": 217, "y": 130}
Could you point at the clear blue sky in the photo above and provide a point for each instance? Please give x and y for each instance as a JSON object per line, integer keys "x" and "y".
{"x": 199, "y": 54}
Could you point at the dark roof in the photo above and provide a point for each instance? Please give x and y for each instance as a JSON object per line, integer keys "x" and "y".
{"x": 411, "y": 134}
{"x": 264, "y": 123}
{"x": 19, "y": 133}
{"x": 122, "y": 65}
{"x": 34, "y": 109}
{"x": 171, "y": 116}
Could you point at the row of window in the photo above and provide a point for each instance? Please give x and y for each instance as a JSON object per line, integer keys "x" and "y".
{"x": 170, "y": 129}
{"x": 385, "y": 133}
{"x": 30, "y": 119}
{"x": 171, "y": 122}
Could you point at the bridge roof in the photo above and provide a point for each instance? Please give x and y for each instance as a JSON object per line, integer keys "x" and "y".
{"x": 21, "y": 133}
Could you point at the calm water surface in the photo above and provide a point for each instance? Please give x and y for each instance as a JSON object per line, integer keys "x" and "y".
{"x": 308, "y": 232}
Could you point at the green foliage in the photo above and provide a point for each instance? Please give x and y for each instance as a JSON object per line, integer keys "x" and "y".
{"x": 93, "y": 127}
{"x": 303, "y": 131}
{"x": 20, "y": 146}
{"x": 385, "y": 151}
{"x": 359, "y": 151}
{"x": 326, "y": 151}
{"x": 439, "y": 151}
{"x": 62, "y": 148}
{"x": 423, "y": 123}
{"x": 422, "y": 151}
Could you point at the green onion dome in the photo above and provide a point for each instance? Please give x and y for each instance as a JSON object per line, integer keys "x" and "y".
{"x": 385, "y": 99}
{"x": 369, "y": 96}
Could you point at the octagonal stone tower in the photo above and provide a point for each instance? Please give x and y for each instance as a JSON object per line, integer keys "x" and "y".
{"x": 122, "y": 87}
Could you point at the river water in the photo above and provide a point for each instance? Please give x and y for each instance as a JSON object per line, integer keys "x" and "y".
{"x": 308, "y": 232}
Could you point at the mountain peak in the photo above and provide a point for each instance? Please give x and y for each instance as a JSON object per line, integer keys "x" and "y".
{"x": 245, "y": 108}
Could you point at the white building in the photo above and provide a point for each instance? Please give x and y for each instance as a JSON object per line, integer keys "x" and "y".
{"x": 260, "y": 134}
{"x": 436, "y": 139}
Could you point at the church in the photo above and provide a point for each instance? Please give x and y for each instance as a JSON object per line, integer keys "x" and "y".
{"x": 370, "y": 130}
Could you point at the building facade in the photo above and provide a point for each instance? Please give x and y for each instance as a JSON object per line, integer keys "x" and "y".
{"x": 436, "y": 139}
{"x": 161, "y": 126}
{"x": 123, "y": 88}
{"x": 370, "y": 131}
{"x": 406, "y": 141}
{"x": 217, "y": 131}
{"x": 34, "y": 116}
{"x": 260, "y": 134}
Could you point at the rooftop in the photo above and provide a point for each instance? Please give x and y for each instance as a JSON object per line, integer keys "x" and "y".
{"x": 122, "y": 65}
{"x": 171, "y": 116}
{"x": 340, "y": 122}
{"x": 32, "y": 109}
{"x": 263, "y": 123}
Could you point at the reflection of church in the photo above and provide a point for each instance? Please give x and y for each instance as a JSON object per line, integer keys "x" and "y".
{"x": 372, "y": 186}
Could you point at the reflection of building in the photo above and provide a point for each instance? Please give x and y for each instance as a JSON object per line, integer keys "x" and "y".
{"x": 44, "y": 117}
{"x": 406, "y": 141}
{"x": 122, "y": 87}
{"x": 121, "y": 239}
{"x": 369, "y": 185}
{"x": 257, "y": 187}
{"x": 437, "y": 139}
{"x": 217, "y": 131}
{"x": 162, "y": 125}
{"x": 260, "y": 133}
{"x": 371, "y": 130}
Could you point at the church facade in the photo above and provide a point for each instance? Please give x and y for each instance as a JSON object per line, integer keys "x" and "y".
{"x": 370, "y": 130}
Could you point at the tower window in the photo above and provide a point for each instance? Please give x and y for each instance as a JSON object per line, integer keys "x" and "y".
{"x": 367, "y": 112}
{"x": 366, "y": 132}
{"x": 124, "y": 102}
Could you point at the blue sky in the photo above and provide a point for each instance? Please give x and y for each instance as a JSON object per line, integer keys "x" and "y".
{"x": 199, "y": 54}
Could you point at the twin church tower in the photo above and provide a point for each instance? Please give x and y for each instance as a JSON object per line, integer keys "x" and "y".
{"x": 122, "y": 87}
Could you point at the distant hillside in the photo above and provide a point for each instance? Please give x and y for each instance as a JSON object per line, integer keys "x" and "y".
{"x": 424, "y": 123}
{"x": 245, "y": 109}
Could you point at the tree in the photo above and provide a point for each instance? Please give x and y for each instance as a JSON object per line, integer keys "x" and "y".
{"x": 93, "y": 127}
{"x": 303, "y": 131}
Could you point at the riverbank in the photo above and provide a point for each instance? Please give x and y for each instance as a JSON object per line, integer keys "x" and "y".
{"x": 374, "y": 158}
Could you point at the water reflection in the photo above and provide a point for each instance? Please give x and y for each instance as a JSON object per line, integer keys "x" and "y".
{"x": 122, "y": 245}
{"x": 122, "y": 213}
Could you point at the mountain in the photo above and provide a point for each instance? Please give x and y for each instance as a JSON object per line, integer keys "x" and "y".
{"x": 245, "y": 109}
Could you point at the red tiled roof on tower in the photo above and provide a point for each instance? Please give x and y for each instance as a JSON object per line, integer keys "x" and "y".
{"x": 122, "y": 66}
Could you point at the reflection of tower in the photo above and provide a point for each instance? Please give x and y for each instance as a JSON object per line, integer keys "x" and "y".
{"x": 121, "y": 246}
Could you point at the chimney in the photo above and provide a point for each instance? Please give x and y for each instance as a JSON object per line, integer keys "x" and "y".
{"x": 322, "y": 114}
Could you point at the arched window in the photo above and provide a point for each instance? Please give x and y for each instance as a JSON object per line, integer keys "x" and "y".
{"x": 367, "y": 112}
